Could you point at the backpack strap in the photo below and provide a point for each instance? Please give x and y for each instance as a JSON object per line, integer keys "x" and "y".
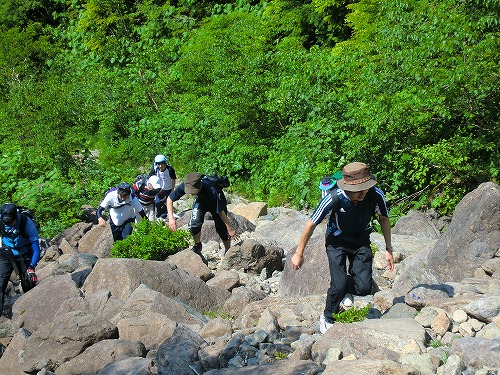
{"x": 23, "y": 221}
{"x": 335, "y": 200}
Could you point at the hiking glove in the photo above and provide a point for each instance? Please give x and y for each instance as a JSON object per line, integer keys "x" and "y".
{"x": 32, "y": 275}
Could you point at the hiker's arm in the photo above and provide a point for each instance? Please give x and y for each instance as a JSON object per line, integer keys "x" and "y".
{"x": 171, "y": 218}
{"x": 385, "y": 225}
{"x": 36, "y": 254}
{"x": 100, "y": 218}
{"x": 225, "y": 219}
{"x": 298, "y": 257}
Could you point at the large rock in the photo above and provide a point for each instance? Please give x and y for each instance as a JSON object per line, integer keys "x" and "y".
{"x": 97, "y": 241}
{"x": 402, "y": 336}
{"x": 314, "y": 275}
{"x": 253, "y": 257}
{"x": 239, "y": 224}
{"x": 192, "y": 263}
{"x": 285, "y": 230}
{"x": 42, "y": 304}
{"x": 478, "y": 352}
{"x": 179, "y": 353}
{"x": 288, "y": 367}
{"x": 128, "y": 366}
{"x": 63, "y": 340}
{"x": 251, "y": 211}
{"x": 100, "y": 354}
{"x": 472, "y": 237}
{"x": 416, "y": 223}
{"x": 122, "y": 276}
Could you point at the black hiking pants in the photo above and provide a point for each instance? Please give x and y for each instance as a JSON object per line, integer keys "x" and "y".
{"x": 357, "y": 280}
{"x": 6, "y": 268}
{"x": 198, "y": 217}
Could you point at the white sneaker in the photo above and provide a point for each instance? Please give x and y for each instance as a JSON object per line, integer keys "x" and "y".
{"x": 323, "y": 324}
{"x": 347, "y": 302}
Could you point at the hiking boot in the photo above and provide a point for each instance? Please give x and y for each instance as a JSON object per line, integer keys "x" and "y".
{"x": 323, "y": 324}
{"x": 197, "y": 248}
{"x": 347, "y": 302}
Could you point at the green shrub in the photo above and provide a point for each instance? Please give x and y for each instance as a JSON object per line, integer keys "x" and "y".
{"x": 352, "y": 315}
{"x": 150, "y": 241}
{"x": 212, "y": 314}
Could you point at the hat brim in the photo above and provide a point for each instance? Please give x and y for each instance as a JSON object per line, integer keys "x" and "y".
{"x": 357, "y": 187}
{"x": 191, "y": 190}
{"x": 326, "y": 187}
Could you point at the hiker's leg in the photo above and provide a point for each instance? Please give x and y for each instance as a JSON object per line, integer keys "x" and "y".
{"x": 338, "y": 280}
{"x": 5, "y": 272}
{"x": 116, "y": 231}
{"x": 362, "y": 271}
{"x": 26, "y": 284}
{"x": 221, "y": 229}
{"x": 196, "y": 221}
{"x": 127, "y": 228}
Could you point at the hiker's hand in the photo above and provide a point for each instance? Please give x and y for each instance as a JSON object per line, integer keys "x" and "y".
{"x": 171, "y": 223}
{"x": 297, "y": 261}
{"x": 32, "y": 275}
{"x": 232, "y": 234}
{"x": 390, "y": 261}
{"x": 101, "y": 222}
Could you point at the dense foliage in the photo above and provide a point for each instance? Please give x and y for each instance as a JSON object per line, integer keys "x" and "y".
{"x": 150, "y": 241}
{"x": 274, "y": 94}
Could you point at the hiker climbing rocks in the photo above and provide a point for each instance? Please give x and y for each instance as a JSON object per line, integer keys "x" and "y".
{"x": 167, "y": 176}
{"x": 20, "y": 250}
{"x": 209, "y": 197}
{"x": 123, "y": 207}
{"x": 352, "y": 206}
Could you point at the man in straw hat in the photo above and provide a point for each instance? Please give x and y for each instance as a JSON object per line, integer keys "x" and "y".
{"x": 352, "y": 206}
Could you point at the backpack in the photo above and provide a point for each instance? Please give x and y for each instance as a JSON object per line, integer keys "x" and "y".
{"x": 324, "y": 184}
{"x": 140, "y": 181}
{"x": 216, "y": 180}
{"x": 23, "y": 213}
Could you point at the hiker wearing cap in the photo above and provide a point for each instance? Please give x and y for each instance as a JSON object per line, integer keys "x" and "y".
{"x": 167, "y": 177}
{"x": 207, "y": 199}
{"x": 123, "y": 207}
{"x": 20, "y": 250}
{"x": 146, "y": 192}
{"x": 352, "y": 206}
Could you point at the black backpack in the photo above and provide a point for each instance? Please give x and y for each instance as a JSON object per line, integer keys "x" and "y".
{"x": 140, "y": 181}
{"x": 23, "y": 213}
{"x": 216, "y": 180}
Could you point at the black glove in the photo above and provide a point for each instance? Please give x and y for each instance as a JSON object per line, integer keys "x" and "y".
{"x": 32, "y": 275}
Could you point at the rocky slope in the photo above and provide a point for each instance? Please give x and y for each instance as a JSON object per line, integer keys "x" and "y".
{"x": 248, "y": 312}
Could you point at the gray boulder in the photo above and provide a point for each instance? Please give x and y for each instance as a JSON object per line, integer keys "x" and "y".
{"x": 41, "y": 305}
{"x": 122, "y": 276}
{"x": 253, "y": 257}
{"x": 314, "y": 275}
{"x": 472, "y": 237}
{"x": 128, "y": 366}
{"x": 179, "y": 353}
{"x": 101, "y": 354}
{"x": 416, "y": 223}
{"x": 63, "y": 340}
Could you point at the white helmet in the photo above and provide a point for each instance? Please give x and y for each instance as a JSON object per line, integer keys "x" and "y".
{"x": 160, "y": 159}
{"x": 154, "y": 181}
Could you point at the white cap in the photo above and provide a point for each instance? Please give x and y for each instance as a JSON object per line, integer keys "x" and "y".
{"x": 160, "y": 159}
{"x": 154, "y": 181}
